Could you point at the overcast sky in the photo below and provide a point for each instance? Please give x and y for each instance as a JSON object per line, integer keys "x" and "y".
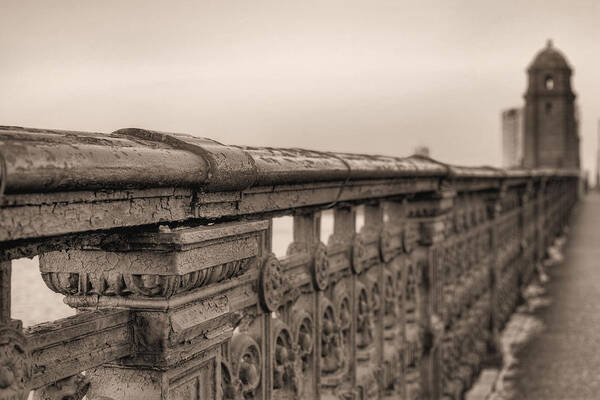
{"x": 358, "y": 76}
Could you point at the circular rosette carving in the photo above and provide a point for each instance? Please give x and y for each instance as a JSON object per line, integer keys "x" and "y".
{"x": 15, "y": 363}
{"x": 321, "y": 266}
{"x": 245, "y": 366}
{"x": 359, "y": 254}
{"x": 385, "y": 246}
{"x": 272, "y": 283}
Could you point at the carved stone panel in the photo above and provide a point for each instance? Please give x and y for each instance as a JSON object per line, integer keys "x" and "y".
{"x": 15, "y": 362}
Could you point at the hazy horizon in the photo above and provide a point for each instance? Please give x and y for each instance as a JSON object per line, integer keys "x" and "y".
{"x": 380, "y": 77}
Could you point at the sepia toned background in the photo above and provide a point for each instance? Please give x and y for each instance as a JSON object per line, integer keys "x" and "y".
{"x": 316, "y": 74}
{"x": 370, "y": 77}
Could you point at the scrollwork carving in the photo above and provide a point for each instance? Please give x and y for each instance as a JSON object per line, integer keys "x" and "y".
{"x": 286, "y": 372}
{"x": 333, "y": 358}
{"x": 389, "y": 302}
{"x": 245, "y": 366}
{"x": 302, "y": 328}
{"x": 231, "y": 386}
{"x": 364, "y": 328}
{"x": 344, "y": 311}
{"x": 112, "y": 283}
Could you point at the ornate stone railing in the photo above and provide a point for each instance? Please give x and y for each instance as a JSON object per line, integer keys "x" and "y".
{"x": 162, "y": 242}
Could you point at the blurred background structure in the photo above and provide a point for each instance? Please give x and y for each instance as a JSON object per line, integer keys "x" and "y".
{"x": 545, "y": 133}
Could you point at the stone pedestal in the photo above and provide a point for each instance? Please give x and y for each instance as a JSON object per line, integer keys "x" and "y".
{"x": 195, "y": 313}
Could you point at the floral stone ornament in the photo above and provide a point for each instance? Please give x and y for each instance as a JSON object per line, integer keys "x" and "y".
{"x": 272, "y": 283}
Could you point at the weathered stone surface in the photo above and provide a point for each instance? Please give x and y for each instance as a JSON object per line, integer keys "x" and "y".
{"x": 182, "y": 298}
{"x": 62, "y": 348}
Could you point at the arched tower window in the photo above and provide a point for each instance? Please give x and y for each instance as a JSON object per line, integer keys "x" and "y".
{"x": 549, "y": 82}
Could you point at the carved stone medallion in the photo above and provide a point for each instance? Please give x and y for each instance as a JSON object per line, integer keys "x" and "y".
{"x": 15, "y": 362}
{"x": 272, "y": 283}
{"x": 321, "y": 266}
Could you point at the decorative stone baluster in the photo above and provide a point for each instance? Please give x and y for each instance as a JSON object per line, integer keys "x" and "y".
{"x": 432, "y": 214}
{"x": 307, "y": 234}
{"x": 396, "y": 243}
{"x": 337, "y": 314}
{"x": 370, "y": 305}
{"x": 496, "y": 289}
{"x": 526, "y": 223}
{"x": 192, "y": 292}
{"x": 540, "y": 220}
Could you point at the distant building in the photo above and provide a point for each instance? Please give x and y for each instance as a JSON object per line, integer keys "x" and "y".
{"x": 597, "y": 183}
{"x": 550, "y": 116}
{"x": 422, "y": 151}
{"x": 512, "y": 137}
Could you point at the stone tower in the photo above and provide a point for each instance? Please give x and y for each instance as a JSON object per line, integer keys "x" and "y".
{"x": 551, "y": 126}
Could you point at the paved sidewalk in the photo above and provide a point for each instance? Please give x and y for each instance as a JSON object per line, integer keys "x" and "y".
{"x": 562, "y": 361}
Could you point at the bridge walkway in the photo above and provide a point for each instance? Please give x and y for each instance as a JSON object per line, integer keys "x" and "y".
{"x": 563, "y": 360}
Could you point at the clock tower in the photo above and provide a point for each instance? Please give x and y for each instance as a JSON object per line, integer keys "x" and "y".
{"x": 551, "y": 136}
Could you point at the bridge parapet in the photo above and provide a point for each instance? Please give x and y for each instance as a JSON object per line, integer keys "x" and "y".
{"x": 163, "y": 242}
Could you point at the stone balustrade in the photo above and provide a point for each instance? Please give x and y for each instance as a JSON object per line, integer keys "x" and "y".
{"x": 163, "y": 243}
